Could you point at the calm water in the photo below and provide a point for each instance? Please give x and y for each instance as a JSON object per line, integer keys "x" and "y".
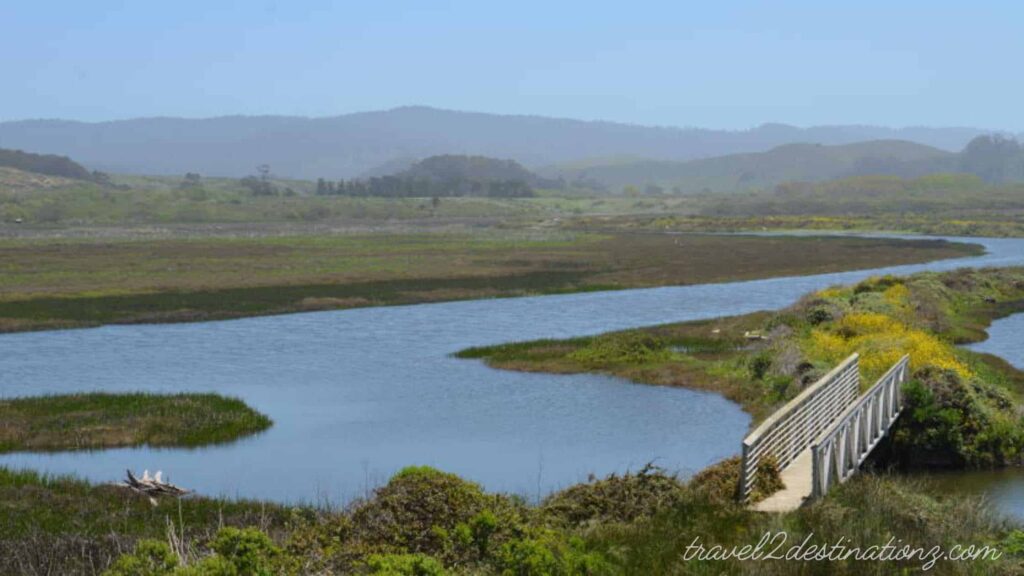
{"x": 1005, "y": 488}
{"x": 358, "y": 394}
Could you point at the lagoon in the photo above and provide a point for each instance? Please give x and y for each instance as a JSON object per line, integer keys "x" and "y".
{"x": 358, "y": 394}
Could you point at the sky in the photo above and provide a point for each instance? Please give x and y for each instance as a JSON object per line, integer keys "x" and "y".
{"x": 721, "y": 64}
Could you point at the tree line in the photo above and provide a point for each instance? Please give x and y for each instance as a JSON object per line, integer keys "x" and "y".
{"x": 404, "y": 187}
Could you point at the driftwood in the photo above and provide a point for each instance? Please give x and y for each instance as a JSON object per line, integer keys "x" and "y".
{"x": 152, "y": 487}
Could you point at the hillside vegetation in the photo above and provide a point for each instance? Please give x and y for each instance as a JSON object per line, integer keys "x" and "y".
{"x": 994, "y": 159}
{"x": 937, "y": 194}
{"x": 46, "y": 164}
{"x": 803, "y": 162}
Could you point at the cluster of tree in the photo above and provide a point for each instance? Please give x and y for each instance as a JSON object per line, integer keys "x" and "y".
{"x": 50, "y": 165}
{"x": 407, "y": 187}
{"x": 445, "y": 175}
{"x": 447, "y": 167}
{"x": 995, "y": 159}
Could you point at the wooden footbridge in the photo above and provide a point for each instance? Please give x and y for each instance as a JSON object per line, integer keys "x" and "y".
{"x": 821, "y": 437}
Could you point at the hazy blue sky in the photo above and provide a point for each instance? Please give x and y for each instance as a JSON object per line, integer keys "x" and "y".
{"x": 712, "y": 64}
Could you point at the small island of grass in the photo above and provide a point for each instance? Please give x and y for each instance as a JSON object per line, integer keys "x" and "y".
{"x": 102, "y": 420}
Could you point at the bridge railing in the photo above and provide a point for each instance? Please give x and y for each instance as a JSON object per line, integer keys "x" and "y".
{"x": 839, "y": 450}
{"x": 792, "y": 428}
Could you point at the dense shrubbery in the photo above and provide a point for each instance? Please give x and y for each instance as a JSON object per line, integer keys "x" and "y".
{"x": 950, "y": 421}
{"x": 954, "y": 417}
{"x": 618, "y": 498}
{"x": 234, "y": 552}
{"x": 720, "y": 482}
{"x": 631, "y": 524}
{"x": 632, "y": 347}
{"x": 422, "y": 522}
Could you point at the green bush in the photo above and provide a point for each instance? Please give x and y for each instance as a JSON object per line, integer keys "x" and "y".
{"x": 549, "y": 553}
{"x": 404, "y": 565}
{"x": 621, "y": 348}
{"x": 616, "y": 498}
{"x": 150, "y": 558}
{"x": 950, "y": 422}
{"x": 236, "y": 552}
{"x": 249, "y": 550}
{"x": 423, "y": 510}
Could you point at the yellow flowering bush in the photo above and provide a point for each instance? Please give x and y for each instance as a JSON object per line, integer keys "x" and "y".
{"x": 881, "y": 341}
{"x": 833, "y": 293}
{"x": 898, "y": 296}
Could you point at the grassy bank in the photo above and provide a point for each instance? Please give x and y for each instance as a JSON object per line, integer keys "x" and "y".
{"x": 426, "y": 522}
{"x": 87, "y": 282}
{"x": 99, "y": 420}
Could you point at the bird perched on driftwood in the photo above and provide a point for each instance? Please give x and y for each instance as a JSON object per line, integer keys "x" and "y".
{"x": 152, "y": 487}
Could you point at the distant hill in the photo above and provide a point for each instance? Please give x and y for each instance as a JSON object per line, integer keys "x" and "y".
{"x": 448, "y": 167}
{"x": 348, "y": 146}
{"x": 45, "y": 164}
{"x": 995, "y": 159}
{"x": 442, "y": 176}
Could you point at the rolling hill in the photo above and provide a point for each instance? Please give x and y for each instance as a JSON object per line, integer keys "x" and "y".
{"x": 790, "y": 162}
{"x": 45, "y": 164}
{"x": 351, "y": 145}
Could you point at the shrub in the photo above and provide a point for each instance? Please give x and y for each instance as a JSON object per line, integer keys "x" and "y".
{"x": 947, "y": 423}
{"x": 549, "y": 553}
{"x": 881, "y": 341}
{"x": 423, "y": 510}
{"x": 760, "y": 365}
{"x": 621, "y": 348}
{"x": 720, "y": 482}
{"x": 248, "y": 550}
{"x": 150, "y": 558}
{"x": 404, "y": 565}
{"x": 616, "y": 498}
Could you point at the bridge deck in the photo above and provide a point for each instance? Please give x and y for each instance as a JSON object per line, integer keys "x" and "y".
{"x": 846, "y": 431}
{"x": 797, "y": 478}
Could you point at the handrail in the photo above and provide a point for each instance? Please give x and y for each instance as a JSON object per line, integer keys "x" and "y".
{"x": 839, "y": 450}
{"x": 792, "y": 428}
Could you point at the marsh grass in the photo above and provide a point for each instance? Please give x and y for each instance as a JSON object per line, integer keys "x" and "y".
{"x": 102, "y": 420}
{"x": 48, "y": 284}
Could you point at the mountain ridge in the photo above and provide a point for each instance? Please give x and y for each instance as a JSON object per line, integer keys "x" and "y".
{"x": 349, "y": 145}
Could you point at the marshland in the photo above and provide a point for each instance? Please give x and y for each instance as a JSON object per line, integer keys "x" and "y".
{"x": 334, "y": 333}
